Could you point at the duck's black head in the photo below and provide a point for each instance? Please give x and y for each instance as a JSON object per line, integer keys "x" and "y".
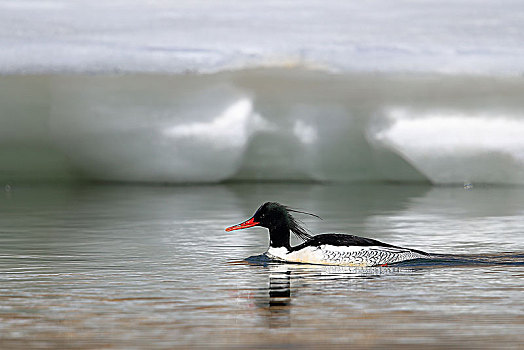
{"x": 277, "y": 218}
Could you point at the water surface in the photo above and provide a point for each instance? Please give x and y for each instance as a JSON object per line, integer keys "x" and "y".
{"x": 151, "y": 267}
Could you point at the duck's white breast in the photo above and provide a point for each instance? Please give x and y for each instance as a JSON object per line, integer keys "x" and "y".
{"x": 344, "y": 255}
{"x": 310, "y": 255}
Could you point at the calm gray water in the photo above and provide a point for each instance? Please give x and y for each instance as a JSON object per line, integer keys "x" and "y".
{"x": 132, "y": 267}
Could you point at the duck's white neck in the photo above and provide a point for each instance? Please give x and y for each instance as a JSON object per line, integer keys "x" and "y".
{"x": 279, "y": 253}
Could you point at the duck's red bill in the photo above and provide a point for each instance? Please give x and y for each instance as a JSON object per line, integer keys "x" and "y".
{"x": 248, "y": 223}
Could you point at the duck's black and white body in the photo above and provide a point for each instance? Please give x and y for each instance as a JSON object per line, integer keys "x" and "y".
{"x": 326, "y": 249}
{"x": 346, "y": 250}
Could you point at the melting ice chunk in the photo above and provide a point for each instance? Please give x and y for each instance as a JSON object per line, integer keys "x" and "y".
{"x": 458, "y": 147}
{"x": 228, "y": 129}
{"x": 306, "y": 133}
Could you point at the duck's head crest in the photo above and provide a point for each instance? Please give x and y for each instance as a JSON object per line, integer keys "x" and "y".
{"x": 273, "y": 214}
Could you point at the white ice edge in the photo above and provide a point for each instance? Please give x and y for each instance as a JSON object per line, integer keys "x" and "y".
{"x": 164, "y": 36}
{"x": 264, "y": 124}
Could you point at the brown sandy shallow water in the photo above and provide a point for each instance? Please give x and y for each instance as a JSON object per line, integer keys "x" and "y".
{"x": 130, "y": 267}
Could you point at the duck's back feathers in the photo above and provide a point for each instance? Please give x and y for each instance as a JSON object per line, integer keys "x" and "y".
{"x": 344, "y": 240}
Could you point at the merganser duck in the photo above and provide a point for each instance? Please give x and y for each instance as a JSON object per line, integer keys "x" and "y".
{"x": 325, "y": 249}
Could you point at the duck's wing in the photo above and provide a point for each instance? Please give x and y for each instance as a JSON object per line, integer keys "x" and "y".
{"x": 337, "y": 239}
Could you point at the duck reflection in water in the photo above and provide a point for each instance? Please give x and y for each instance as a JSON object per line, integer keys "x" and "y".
{"x": 276, "y": 302}
{"x": 279, "y": 304}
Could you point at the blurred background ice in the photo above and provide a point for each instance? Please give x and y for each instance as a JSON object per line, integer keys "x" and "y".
{"x": 200, "y": 91}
